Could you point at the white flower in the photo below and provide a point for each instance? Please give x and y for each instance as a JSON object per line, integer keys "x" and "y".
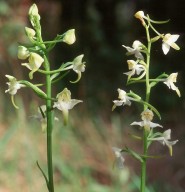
{"x": 78, "y": 66}
{"x": 134, "y": 68}
{"x": 164, "y": 139}
{"x": 170, "y": 83}
{"x": 119, "y": 157}
{"x": 137, "y": 47}
{"x": 65, "y": 103}
{"x": 13, "y": 85}
{"x": 35, "y": 61}
{"x": 169, "y": 41}
{"x": 123, "y": 99}
{"x": 147, "y": 117}
{"x": 69, "y": 37}
{"x": 23, "y": 52}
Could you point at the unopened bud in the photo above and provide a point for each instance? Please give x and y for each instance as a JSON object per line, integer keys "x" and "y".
{"x": 69, "y": 37}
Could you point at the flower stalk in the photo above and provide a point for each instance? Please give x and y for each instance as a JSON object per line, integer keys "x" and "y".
{"x": 141, "y": 69}
{"x": 37, "y": 54}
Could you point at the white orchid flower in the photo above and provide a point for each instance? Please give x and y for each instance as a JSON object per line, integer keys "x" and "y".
{"x": 65, "y": 103}
{"x": 23, "y": 52}
{"x": 119, "y": 157}
{"x": 169, "y": 41}
{"x": 69, "y": 37}
{"x": 13, "y": 87}
{"x": 123, "y": 99}
{"x": 164, "y": 139}
{"x": 78, "y": 67}
{"x": 147, "y": 117}
{"x": 35, "y": 62}
{"x": 135, "y": 49}
{"x": 134, "y": 68}
{"x": 170, "y": 83}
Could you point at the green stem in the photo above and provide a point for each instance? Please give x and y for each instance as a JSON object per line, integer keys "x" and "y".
{"x": 145, "y": 131}
{"x": 49, "y": 127}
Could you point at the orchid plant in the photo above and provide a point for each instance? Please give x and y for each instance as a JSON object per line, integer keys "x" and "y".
{"x": 35, "y": 57}
{"x": 140, "y": 72}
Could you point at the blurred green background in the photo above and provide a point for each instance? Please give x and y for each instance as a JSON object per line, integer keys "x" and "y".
{"x": 82, "y": 151}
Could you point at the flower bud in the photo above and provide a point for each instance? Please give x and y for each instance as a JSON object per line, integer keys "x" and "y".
{"x": 69, "y": 37}
{"x": 139, "y": 15}
{"x": 30, "y": 32}
{"x": 33, "y": 11}
{"x": 23, "y": 52}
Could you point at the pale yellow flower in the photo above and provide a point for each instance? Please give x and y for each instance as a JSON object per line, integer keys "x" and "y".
{"x": 65, "y": 103}
{"x": 35, "y": 62}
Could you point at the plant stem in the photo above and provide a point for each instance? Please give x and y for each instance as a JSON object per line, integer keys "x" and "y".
{"x": 49, "y": 127}
{"x": 145, "y": 131}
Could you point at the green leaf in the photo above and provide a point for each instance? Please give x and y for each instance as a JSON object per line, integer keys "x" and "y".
{"x": 37, "y": 90}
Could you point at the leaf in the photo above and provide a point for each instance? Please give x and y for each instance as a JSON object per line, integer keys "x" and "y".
{"x": 134, "y": 154}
